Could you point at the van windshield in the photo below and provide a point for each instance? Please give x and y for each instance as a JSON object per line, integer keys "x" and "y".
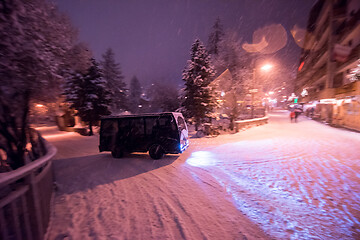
{"x": 167, "y": 122}
{"x": 181, "y": 123}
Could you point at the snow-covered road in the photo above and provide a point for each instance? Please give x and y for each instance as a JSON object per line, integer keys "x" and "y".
{"x": 281, "y": 180}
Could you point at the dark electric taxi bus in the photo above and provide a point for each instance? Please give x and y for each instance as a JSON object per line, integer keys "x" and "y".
{"x": 159, "y": 133}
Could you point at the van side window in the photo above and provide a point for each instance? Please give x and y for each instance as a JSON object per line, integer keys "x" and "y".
{"x": 167, "y": 122}
{"x": 109, "y": 127}
{"x": 123, "y": 123}
{"x": 123, "y": 127}
{"x": 137, "y": 126}
{"x": 150, "y": 123}
{"x": 181, "y": 123}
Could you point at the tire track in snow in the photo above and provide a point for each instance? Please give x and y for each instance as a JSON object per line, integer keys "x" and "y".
{"x": 313, "y": 177}
{"x": 173, "y": 208}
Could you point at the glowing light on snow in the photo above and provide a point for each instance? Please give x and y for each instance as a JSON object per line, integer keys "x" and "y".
{"x": 39, "y": 105}
{"x": 60, "y": 135}
{"x": 328, "y": 101}
{"x": 46, "y": 128}
{"x": 201, "y": 159}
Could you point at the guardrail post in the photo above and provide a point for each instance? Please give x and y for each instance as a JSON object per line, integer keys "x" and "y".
{"x": 35, "y": 208}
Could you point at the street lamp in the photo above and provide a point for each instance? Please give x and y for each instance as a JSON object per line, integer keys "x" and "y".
{"x": 265, "y": 68}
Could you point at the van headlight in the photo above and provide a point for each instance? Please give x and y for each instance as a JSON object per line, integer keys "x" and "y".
{"x": 184, "y": 144}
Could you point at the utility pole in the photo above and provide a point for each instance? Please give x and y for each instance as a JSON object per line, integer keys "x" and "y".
{"x": 330, "y": 63}
{"x": 253, "y": 91}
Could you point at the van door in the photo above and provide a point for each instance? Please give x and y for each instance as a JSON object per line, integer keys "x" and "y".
{"x": 167, "y": 134}
{"x": 150, "y": 130}
{"x": 109, "y": 129}
{"x": 137, "y": 141}
{"x": 183, "y": 131}
{"x": 123, "y": 133}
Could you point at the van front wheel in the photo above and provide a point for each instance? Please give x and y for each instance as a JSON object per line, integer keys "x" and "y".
{"x": 156, "y": 151}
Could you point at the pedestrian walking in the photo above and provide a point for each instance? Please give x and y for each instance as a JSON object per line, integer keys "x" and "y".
{"x": 292, "y": 116}
{"x": 312, "y": 112}
{"x": 297, "y": 112}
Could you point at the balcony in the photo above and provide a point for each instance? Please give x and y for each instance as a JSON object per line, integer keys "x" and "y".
{"x": 327, "y": 93}
{"x": 354, "y": 56}
{"x": 348, "y": 89}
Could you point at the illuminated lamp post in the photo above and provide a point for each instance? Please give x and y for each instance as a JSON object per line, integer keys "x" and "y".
{"x": 254, "y": 90}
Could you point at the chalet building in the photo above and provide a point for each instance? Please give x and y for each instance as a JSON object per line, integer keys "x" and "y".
{"x": 221, "y": 85}
{"x": 329, "y": 59}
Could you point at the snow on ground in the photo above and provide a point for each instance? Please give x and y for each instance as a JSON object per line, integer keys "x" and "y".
{"x": 100, "y": 197}
{"x": 281, "y": 180}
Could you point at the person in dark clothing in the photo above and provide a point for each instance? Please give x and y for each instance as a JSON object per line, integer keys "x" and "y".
{"x": 297, "y": 113}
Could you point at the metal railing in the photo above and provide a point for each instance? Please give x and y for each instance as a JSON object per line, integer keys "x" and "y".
{"x": 25, "y": 197}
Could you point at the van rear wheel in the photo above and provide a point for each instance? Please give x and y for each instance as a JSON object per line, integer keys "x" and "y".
{"x": 117, "y": 153}
{"x": 156, "y": 151}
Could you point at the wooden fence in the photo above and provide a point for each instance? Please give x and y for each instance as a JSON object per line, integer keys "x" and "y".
{"x": 25, "y": 197}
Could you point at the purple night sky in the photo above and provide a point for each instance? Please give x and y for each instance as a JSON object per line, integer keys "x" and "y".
{"x": 152, "y": 38}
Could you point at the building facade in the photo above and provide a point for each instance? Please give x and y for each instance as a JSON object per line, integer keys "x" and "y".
{"x": 327, "y": 80}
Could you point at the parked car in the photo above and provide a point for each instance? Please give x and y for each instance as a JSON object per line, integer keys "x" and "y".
{"x": 159, "y": 133}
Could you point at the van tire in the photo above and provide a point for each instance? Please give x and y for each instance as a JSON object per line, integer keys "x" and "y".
{"x": 117, "y": 153}
{"x": 156, "y": 151}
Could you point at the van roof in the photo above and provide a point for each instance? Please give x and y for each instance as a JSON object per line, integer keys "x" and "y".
{"x": 143, "y": 115}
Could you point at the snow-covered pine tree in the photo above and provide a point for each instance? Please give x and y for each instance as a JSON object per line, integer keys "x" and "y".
{"x": 74, "y": 89}
{"x": 215, "y": 38}
{"x": 135, "y": 95}
{"x": 197, "y": 100}
{"x": 115, "y": 82}
{"x": 87, "y": 93}
{"x": 238, "y": 62}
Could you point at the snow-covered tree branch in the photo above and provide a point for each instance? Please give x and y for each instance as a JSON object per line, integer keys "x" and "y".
{"x": 114, "y": 82}
{"x": 35, "y": 39}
